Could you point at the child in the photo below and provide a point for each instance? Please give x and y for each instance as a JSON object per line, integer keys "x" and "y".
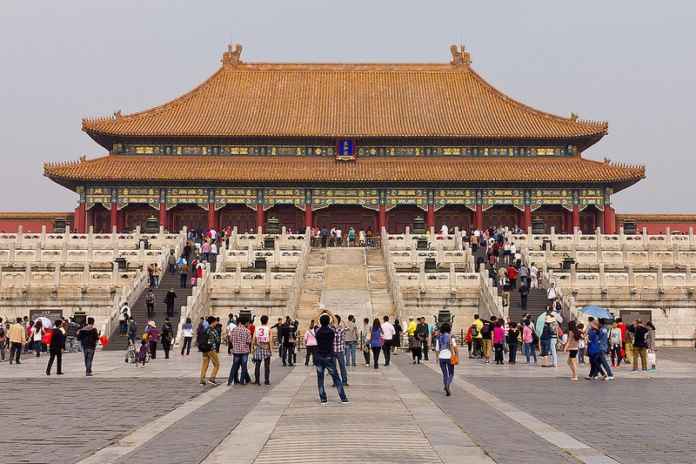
{"x": 142, "y": 353}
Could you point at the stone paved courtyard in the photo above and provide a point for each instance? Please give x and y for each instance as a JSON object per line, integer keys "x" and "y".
{"x": 503, "y": 414}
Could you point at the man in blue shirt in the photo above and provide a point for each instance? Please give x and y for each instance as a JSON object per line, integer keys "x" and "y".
{"x": 325, "y": 359}
{"x": 604, "y": 346}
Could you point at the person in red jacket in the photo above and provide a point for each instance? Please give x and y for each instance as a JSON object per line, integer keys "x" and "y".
{"x": 512, "y": 274}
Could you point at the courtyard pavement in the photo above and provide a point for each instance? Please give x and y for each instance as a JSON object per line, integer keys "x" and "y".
{"x": 398, "y": 414}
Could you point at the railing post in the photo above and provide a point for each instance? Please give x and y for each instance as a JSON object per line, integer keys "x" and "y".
{"x": 421, "y": 276}
{"x": 114, "y": 274}
{"x": 43, "y": 236}
{"x": 238, "y": 278}
{"x": 452, "y": 278}
{"x": 20, "y": 235}
{"x": 660, "y": 279}
{"x": 27, "y": 275}
{"x": 631, "y": 277}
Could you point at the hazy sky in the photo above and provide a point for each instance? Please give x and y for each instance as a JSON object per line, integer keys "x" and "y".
{"x": 632, "y": 63}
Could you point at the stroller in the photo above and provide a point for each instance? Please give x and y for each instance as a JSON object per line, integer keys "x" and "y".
{"x": 131, "y": 353}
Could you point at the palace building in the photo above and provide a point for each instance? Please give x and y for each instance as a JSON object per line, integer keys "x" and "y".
{"x": 362, "y": 145}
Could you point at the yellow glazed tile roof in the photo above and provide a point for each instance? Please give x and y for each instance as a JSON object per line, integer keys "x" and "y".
{"x": 345, "y": 100}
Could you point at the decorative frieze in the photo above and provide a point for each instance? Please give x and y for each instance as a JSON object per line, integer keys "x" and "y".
{"x": 187, "y": 196}
{"x": 96, "y": 196}
{"x": 406, "y": 196}
{"x": 369, "y": 198}
{"x": 234, "y": 196}
{"x": 562, "y": 197}
{"x": 513, "y": 197}
{"x": 591, "y": 197}
{"x": 146, "y": 195}
{"x": 466, "y": 197}
{"x": 283, "y": 196}
{"x": 339, "y": 150}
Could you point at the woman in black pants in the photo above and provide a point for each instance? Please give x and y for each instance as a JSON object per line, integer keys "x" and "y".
{"x": 376, "y": 341}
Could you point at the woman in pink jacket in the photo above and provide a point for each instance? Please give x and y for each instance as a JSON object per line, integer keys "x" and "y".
{"x": 310, "y": 343}
{"x": 499, "y": 340}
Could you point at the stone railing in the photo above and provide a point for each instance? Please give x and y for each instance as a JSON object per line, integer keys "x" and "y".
{"x": 425, "y": 281}
{"x": 599, "y": 241}
{"x": 392, "y": 280}
{"x": 412, "y": 258}
{"x": 197, "y": 305}
{"x": 274, "y": 258}
{"x": 658, "y": 280}
{"x": 612, "y": 259}
{"x": 248, "y": 241}
{"x": 300, "y": 269}
{"x": 40, "y": 277}
{"x": 66, "y": 256}
{"x": 55, "y": 241}
{"x": 243, "y": 280}
{"x": 490, "y": 303}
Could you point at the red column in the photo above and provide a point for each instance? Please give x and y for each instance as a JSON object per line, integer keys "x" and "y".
{"x": 478, "y": 217}
{"x": 308, "y": 216}
{"x": 260, "y": 216}
{"x": 212, "y": 216}
{"x": 121, "y": 220}
{"x": 527, "y": 219}
{"x": 576, "y": 217}
{"x": 114, "y": 216}
{"x": 609, "y": 220}
{"x": 600, "y": 221}
{"x": 163, "y": 216}
{"x": 430, "y": 217}
{"x": 382, "y": 218}
{"x": 80, "y": 218}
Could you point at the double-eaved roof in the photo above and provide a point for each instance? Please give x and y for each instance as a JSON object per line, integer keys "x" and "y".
{"x": 345, "y": 100}
{"x": 329, "y": 102}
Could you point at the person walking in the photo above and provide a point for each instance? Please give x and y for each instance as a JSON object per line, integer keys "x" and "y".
{"x": 571, "y": 347}
{"x": 183, "y": 274}
{"x": 376, "y": 341}
{"x": 651, "y": 356}
{"x": 476, "y": 327}
{"x": 55, "y": 349}
{"x": 396, "y": 341}
{"x": 528, "y": 341}
{"x": 206, "y": 344}
{"x": 167, "y": 336}
{"x": 350, "y": 339}
{"x": 310, "y": 343}
{"x": 169, "y": 299}
{"x": 132, "y": 330}
{"x": 499, "y": 341}
{"x": 150, "y": 303}
{"x": 325, "y": 360}
{"x": 582, "y": 343}
{"x": 262, "y": 347}
{"x": 37, "y": 334}
{"x": 615, "y": 345}
{"x": 446, "y": 348}
{"x": 3, "y": 339}
{"x": 640, "y": 344}
{"x": 421, "y": 335}
{"x": 594, "y": 351}
{"x": 486, "y": 335}
{"x": 153, "y": 337}
{"x": 88, "y": 336}
{"x": 524, "y": 294}
{"x": 365, "y": 340}
{"x": 604, "y": 349}
{"x": 512, "y": 335}
{"x": 187, "y": 333}
{"x": 17, "y": 337}
{"x": 241, "y": 345}
{"x": 387, "y": 336}
{"x": 339, "y": 349}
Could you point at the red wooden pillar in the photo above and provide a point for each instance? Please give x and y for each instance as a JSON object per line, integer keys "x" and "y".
{"x": 114, "y": 216}
{"x": 609, "y": 220}
{"x": 212, "y": 216}
{"x": 382, "y": 218}
{"x": 308, "y": 216}
{"x": 576, "y": 218}
{"x": 527, "y": 218}
{"x": 600, "y": 221}
{"x": 260, "y": 216}
{"x": 80, "y": 218}
{"x": 430, "y": 217}
{"x": 163, "y": 216}
{"x": 478, "y": 217}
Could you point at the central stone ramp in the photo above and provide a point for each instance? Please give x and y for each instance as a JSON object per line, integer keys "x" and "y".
{"x": 345, "y": 288}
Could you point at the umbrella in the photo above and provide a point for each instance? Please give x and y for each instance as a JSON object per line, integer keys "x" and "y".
{"x": 46, "y": 323}
{"x": 597, "y": 312}
{"x": 539, "y": 325}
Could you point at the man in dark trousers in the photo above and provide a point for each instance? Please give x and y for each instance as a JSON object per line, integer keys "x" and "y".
{"x": 55, "y": 348}
{"x": 169, "y": 302}
{"x": 324, "y": 359}
{"x": 150, "y": 303}
{"x": 88, "y": 336}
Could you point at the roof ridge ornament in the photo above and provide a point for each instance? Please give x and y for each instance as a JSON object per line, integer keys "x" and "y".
{"x": 233, "y": 55}
{"x": 460, "y": 57}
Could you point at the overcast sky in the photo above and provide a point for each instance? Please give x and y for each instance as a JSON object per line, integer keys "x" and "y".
{"x": 632, "y": 63}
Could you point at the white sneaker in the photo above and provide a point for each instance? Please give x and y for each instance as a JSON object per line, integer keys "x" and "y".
{"x": 611, "y": 377}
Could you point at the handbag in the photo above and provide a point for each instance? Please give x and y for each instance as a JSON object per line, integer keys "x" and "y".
{"x": 454, "y": 360}
{"x": 652, "y": 358}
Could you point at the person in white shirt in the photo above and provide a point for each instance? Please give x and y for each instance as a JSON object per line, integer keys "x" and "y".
{"x": 338, "y": 236}
{"x": 388, "y": 335}
{"x": 230, "y": 326}
{"x": 444, "y": 230}
{"x": 534, "y": 276}
{"x": 446, "y": 347}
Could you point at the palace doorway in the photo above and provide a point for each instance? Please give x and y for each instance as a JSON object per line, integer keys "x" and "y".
{"x": 192, "y": 216}
{"x": 99, "y": 218}
{"x": 454, "y": 216}
{"x": 288, "y": 215}
{"x": 501, "y": 216}
{"x": 400, "y": 217}
{"x": 346, "y": 216}
{"x": 240, "y": 216}
{"x": 137, "y": 214}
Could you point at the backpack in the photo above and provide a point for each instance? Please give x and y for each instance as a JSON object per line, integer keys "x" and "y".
{"x": 203, "y": 341}
{"x": 486, "y": 330}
